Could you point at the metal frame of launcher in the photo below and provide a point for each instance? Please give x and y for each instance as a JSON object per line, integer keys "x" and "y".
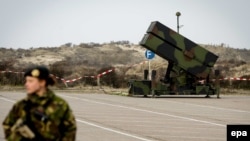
{"x": 188, "y": 64}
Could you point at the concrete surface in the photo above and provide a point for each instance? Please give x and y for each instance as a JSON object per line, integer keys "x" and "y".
{"x": 102, "y": 117}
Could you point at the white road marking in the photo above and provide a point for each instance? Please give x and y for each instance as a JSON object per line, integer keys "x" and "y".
{"x": 112, "y": 130}
{"x": 95, "y": 125}
{"x": 147, "y": 111}
{"x": 8, "y": 100}
{"x": 213, "y": 107}
{"x": 187, "y": 137}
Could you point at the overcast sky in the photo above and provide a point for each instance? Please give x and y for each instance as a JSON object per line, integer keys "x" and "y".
{"x": 48, "y": 23}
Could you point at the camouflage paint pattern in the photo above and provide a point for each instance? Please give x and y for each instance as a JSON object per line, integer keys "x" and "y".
{"x": 190, "y": 61}
{"x": 161, "y": 87}
{"x": 143, "y": 88}
{"x": 202, "y": 89}
{"x": 140, "y": 87}
{"x": 188, "y": 47}
{"x": 170, "y": 53}
{"x": 60, "y": 125}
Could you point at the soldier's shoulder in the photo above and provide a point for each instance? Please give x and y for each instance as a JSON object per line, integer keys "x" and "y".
{"x": 60, "y": 100}
{"x": 19, "y": 105}
{"x": 22, "y": 101}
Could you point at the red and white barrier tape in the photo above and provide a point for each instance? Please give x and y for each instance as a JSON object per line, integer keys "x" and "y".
{"x": 108, "y": 71}
{"x": 228, "y": 79}
{"x": 103, "y": 73}
{"x": 75, "y": 79}
{"x": 99, "y": 75}
{"x": 72, "y": 80}
{"x": 236, "y": 78}
{"x": 113, "y": 69}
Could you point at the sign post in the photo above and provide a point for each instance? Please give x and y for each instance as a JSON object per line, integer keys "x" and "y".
{"x": 149, "y": 55}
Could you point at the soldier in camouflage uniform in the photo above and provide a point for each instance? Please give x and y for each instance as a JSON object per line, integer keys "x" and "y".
{"x": 42, "y": 115}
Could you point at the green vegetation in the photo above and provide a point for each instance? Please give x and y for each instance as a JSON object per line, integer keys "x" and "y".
{"x": 71, "y": 61}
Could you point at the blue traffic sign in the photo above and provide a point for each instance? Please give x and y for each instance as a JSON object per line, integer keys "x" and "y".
{"x": 149, "y": 54}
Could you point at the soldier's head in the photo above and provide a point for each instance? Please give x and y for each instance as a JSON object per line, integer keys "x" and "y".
{"x": 37, "y": 78}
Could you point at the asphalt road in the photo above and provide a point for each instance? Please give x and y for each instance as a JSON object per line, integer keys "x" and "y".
{"x": 102, "y": 117}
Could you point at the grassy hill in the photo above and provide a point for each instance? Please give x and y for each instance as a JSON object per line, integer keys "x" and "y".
{"x": 71, "y": 61}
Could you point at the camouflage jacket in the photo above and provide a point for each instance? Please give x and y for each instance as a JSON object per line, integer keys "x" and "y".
{"x": 50, "y": 116}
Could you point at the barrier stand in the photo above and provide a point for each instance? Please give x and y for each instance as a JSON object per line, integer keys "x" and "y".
{"x": 98, "y": 82}
{"x": 217, "y": 83}
{"x": 153, "y": 82}
{"x": 65, "y": 83}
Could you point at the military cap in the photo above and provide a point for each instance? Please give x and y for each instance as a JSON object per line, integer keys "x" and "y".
{"x": 40, "y": 72}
